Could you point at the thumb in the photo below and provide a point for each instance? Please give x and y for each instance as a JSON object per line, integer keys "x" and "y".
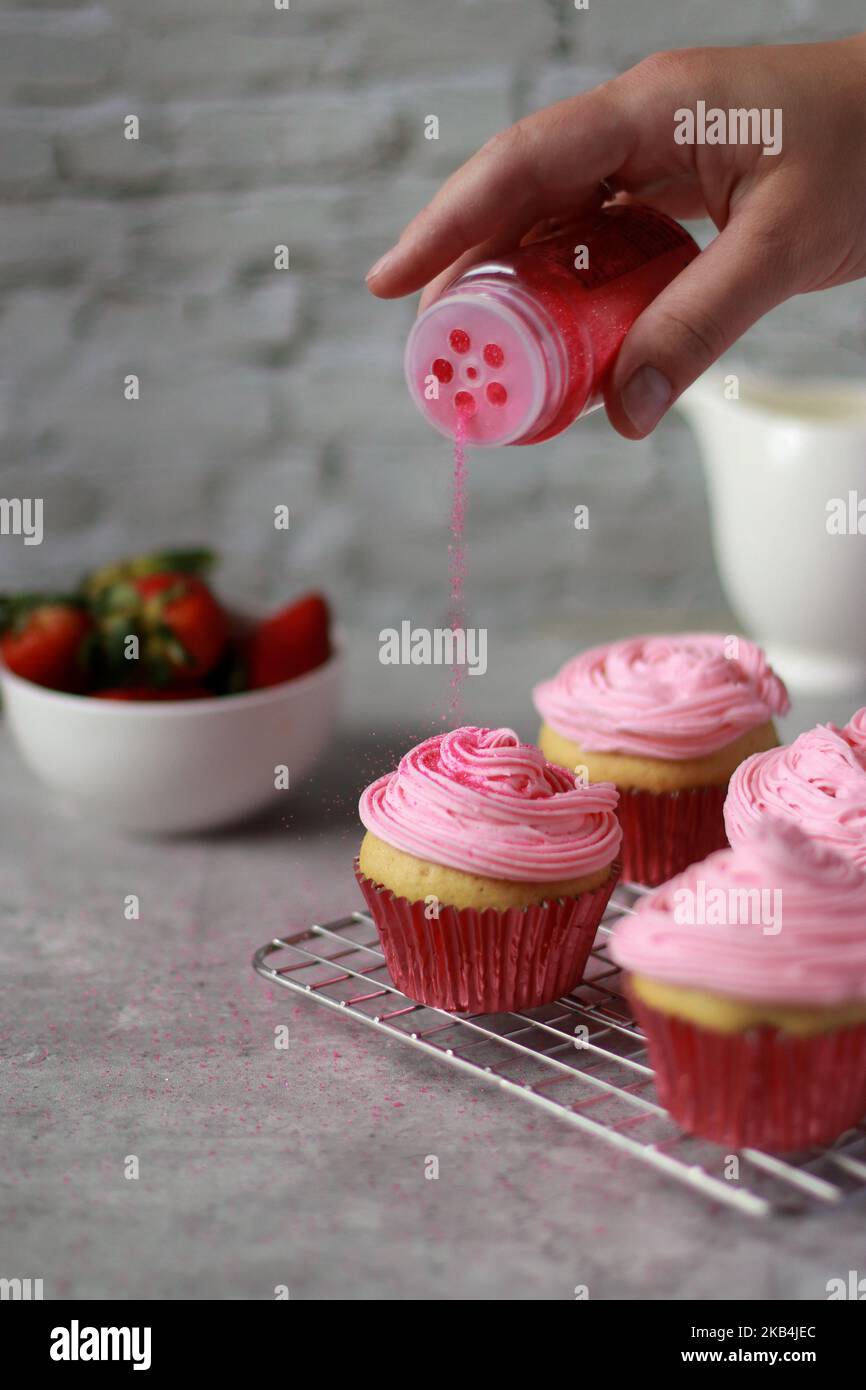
{"x": 740, "y": 276}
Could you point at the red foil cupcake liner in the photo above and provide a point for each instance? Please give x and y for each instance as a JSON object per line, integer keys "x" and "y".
{"x": 471, "y": 961}
{"x": 664, "y": 832}
{"x": 760, "y": 1089}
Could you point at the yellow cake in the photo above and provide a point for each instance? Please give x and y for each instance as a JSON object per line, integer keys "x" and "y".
{"x": 726, "y": 1015}
{"x": 410, "y": 877}
{"x": 629, "y": 770}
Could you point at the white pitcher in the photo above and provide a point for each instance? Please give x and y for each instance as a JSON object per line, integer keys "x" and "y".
{"x": 785, "y": 465}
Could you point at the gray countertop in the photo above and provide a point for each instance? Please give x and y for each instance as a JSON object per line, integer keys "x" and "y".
{"x": 302, "y": 1167}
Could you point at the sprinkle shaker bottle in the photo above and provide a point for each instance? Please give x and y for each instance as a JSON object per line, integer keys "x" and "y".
{"x": 521, "y": 346}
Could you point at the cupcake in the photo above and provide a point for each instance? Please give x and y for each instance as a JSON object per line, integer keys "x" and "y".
{"x": 486, "y": 871}
{"x": 666, "y": 719}
{"x": 748, "y": 976}
{"x": 818, "y": 781}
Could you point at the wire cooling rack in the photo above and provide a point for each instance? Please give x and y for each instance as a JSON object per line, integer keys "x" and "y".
{"x": 582, "y": 1058}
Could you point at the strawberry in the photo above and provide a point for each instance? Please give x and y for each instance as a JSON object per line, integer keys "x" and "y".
{"x": 181, "y": 628}
{"x": 152, "y": 692}
{"x": 288, "y": 643}
{"x": 46, "y": 639}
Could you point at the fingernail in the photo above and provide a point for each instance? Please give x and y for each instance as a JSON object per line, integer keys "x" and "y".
{"x": 380, "y": 264}
{"x": 645, "y": 398}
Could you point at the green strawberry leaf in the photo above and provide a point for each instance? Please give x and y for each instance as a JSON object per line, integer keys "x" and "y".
{"x": 196, "y": 561}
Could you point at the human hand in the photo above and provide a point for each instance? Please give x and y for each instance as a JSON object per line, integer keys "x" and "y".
{"x": 789, "y": 223}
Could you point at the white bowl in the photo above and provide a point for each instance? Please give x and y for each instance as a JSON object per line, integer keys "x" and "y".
{"x": 169, "y": 767}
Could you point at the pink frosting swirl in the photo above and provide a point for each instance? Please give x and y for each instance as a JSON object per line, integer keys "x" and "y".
{"x": 662, "y": 697}
{"x": 814, "y": 953}
{"x": 818, "y": 781}
{"x": 482, "y": 801}
{"x": 854, "y": 732}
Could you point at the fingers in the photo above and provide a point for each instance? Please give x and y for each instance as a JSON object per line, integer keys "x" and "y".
{"x": 552, "y": 160}
{"x": 743, "y": 274}
{"x": 681, "y": 198}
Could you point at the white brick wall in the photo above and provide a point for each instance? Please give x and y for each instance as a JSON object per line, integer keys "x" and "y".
{"x": 305, "y": 127}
